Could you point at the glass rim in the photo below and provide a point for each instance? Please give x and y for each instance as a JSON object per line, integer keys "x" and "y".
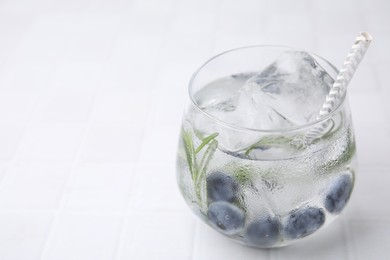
{"x": 248, "y": 129}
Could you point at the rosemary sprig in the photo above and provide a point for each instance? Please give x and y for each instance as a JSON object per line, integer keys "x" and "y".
{"x": 198, "y": 164}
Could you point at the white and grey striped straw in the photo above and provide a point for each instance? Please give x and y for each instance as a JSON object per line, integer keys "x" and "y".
{"x": 354, "y": 57}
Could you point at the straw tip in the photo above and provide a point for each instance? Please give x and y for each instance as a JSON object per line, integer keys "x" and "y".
{"x": 366, "y": 36}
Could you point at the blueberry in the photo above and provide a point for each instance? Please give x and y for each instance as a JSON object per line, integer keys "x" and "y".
{"x": 221, "y": 187}
{"x": 263, "y": 232}
{"x": 304, "y": 221}
{"x": 339, "y": 194}
{"x": 226, "y": 217}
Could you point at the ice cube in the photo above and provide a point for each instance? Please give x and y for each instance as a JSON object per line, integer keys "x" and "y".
{"x": 255, "y": 113}
{"x": 237, "y": 108}
{"x": 243, "y": 107}
{"x": 241, "y": 110}
{"x": 294, "y": 86}
{"x": 287, "y": 93}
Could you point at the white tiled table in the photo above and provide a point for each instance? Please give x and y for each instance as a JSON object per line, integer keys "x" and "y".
{"x": 91, "y": 97}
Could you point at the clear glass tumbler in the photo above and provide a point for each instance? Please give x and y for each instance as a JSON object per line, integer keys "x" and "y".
{"x": 259, "y": 186}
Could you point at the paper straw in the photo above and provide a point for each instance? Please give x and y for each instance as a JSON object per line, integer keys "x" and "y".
{"x": 354, "y": 57}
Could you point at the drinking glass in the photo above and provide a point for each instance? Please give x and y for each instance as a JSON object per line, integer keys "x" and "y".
{"x": 259, "y": 185}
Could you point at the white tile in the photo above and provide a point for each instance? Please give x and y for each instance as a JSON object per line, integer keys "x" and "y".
{"x": 153, "y": 6}
{"x": 158, "y": 236}
{"x": 370, "y": 239}
{"x": 156, "y": 187}
{"x": 367, "y": 200}
{"x": 34, "y": 186}
{"x": 16, "y": 107}
{"x": 280, "y": 6}
{"x": 201, "y": 6}
{"x": 3, "y": 63}
{"x": 77, "y": 76}
{"x": 9, "y": 141}
{"x": 373, "y": 142}
{"x": 12, "y": 29}
{"x": 347, "y": 6}
{"x": 382, "y": 70}
{"x": 129, "y": 107}
{"x": 168, "y": 109}
{"x": 112, "y": 144}
{"x": 379, "y": 49}
{"x": 80, "y": 237}
{"x": 334, "y": 48}
{"x": 329, "y": 243}
{"x": 340, "y": 23}
{"x": 138, "y": 45}
{"x": 54, "y": 25}
{"x": 41, "y": 6}
{"x": 65, "y": 107}
{"x": 23, "y": 236}
{"x": 289, "y": 22}
{"x": 182, "y": 42}
{"x": 160, "y": 143}
{"x": 194, "y": 24}
{"x": 240, "y": 25}
{"x": 209, "y": 245}
{"x": 293, "y": 39}
{"x": 364, "y": 79}
{"x": 253, "y": 7}
{"x": 227, "y": 41}
{"x": 128, "y": 76}
{"x": 135, "y": 53}
{"x": 366, "y": 107}
{"x": 373, "y": 6}
{"x": 114, "y": 6}
{"x": 51, "y": 142}
{"x": 46, "y": 37}
{"x": 3, "y": 169}
{"x": 376, "y": 22}
{"x": 173, "y": 78}
{"x": 139, "y": 39}
{"x": 100, "y": 187}
{"x": 94, "y": 39}
{"x": 36, "y": 76}
{"x": 181, "y": 48}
